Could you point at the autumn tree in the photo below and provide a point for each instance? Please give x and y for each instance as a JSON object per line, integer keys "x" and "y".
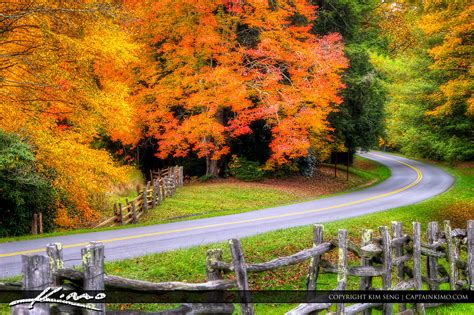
{"x": 61, "y": 88}
{"x": 429, "y": 76}
{"x": 215, "y": 67}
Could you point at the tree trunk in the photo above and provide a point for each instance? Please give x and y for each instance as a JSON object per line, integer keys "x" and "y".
{"x": 212, "y": 167}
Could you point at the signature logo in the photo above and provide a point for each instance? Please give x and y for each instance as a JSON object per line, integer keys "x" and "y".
{"x": 69, "y": 299}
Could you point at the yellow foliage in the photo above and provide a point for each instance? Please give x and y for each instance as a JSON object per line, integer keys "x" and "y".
{"x": 67, "y": 89}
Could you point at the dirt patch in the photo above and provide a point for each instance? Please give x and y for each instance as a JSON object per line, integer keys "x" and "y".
{"x": 464, "y": 165}
{"x": 322, "y": 183}
{"x": 458, "y": 213}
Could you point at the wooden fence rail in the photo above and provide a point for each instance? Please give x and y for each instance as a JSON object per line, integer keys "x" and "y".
{"x": 395, "y": 253}
{"x": 163, "y": 184}
{"x": 380, "y": 257}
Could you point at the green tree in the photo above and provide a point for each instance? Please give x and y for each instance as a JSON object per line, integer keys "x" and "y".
{"x": 23, "y": 190}
{"x": 359, "y": 120}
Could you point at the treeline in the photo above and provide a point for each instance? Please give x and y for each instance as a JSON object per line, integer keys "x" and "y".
{"x": 91, "y": 89}
{"x": 428, "y": 73}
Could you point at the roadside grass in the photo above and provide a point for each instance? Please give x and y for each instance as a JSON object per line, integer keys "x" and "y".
{"x": 216, "y": 199}
{"x": 202, "y": 200}
{"x": 189, "y": 264}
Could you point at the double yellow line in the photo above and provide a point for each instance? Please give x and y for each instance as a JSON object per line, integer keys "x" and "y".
{"x": 279, "y": 216}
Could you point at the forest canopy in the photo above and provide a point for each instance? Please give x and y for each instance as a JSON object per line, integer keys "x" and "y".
{"x": 93, "y": 89}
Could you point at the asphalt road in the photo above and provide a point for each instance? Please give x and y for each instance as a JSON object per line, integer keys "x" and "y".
{"x": 411, "y": 182}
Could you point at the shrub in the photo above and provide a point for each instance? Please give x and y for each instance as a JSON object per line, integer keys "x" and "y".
{"x": 23, "y": 190}
{"x": 246, "y": 170}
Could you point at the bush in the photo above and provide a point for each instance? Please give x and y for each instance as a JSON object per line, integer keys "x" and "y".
{"x": 23, "y": 191}
{"x": 246, "y": 170}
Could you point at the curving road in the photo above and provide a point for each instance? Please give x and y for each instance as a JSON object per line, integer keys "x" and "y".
{"x": 411, "y": 182}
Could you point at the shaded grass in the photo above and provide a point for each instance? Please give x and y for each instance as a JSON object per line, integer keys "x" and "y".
{"x": 204, "y": 200}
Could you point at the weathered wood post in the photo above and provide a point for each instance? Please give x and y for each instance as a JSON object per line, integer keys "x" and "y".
{"x": 34, "y": 224}
{"x": 341, "y": 267}
{"x": 116, "y": 212}
{"x": 470, "y": 254}
{"x": 145, "y": 197}
{"x": 387, "y": 266}
{"x": 366, "y": 282}
{"x": 40, "y": 222}
{"x": 420, "y": 308}
{"x": 134, "y": 212}
{"x": 398, "y": 251}
{"x": 431, "y": 261}
{"x": 240, "y": 268}
{"x": 181, "y": 176}
{"x": 450, "y": 255}
{"x": 213, "y": 274}
{"x": 120, "y": 213}
{"x": 56, "y": 261}
{"x": 154, "y": 195}
{"x": 93, "y": 266}
{"x": 36, "y": 277}
{"x": 318, "y": 235}
{"x": 138, "y": 189}
{"x": 158, "y": 191}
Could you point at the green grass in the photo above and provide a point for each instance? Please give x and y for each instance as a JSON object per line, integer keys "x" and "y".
{"x": 189, "y": 264}
{"x": 208, "y": 200}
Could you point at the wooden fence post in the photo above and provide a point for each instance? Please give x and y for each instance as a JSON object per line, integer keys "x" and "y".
{"x": 366, "y": 282}
{"x": 134, "y": 212}
{"x": 432, "y": 262}
{"x": 36, "y": 276}
{"x": 120, "y": 213}
{"x": 162, "y": 188}
{"x": 420, "y": 308}
{"x": 450, "y": 255}
{"x": 387, "y": 266}
{"x": 158, "y": 193}
{"x": 240, "y": 269}
{"x": 341, "y": 267}
{"x": 318, "y": 235}
{"x": 212, "y": 274}
{"x": 56, "y": 261}
{"x": 93, "y": 266}
{"x": 40, "y": 222}
{"x": 153, "y": 195}
{"x": 470, "y": 254}
{"x": 145, "y": 197}
{"x": 181, "y": 176}
{"x": 398, "y": 251}
{"x": 34, "y": 224}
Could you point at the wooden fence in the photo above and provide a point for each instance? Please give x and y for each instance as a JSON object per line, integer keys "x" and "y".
{"x": 163, "y": 184}
{"x": 381, "y": 256}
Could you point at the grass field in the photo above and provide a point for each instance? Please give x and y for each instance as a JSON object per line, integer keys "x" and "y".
{"x": 188, "y": 264}
{"x": 221, "y": 197}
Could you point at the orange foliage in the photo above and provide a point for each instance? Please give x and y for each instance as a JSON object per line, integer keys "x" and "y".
{"x": 207, "y": 79}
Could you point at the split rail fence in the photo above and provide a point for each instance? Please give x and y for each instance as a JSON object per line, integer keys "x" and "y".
{"x": 396, "y": 258}
{"x": 163, "y": 184}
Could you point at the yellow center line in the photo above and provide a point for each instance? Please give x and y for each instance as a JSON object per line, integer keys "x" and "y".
{"x": 291, "y": 214}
